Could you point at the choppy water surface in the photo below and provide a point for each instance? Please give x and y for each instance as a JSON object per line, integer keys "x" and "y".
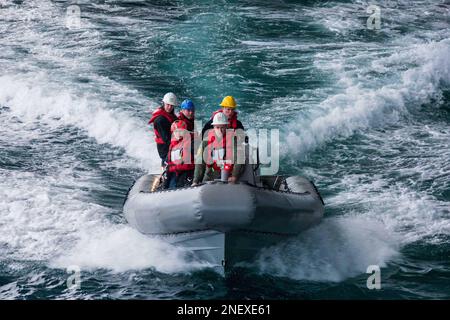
{"x": 363, "y": 113}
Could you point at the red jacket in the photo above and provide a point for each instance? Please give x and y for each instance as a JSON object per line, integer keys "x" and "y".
{"x": 170, "y": 118}
{"x": 189, "y": 122}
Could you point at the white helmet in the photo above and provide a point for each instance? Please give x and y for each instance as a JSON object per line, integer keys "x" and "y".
{"x": 170, "y": 98}
{"x": 220, "y": 119}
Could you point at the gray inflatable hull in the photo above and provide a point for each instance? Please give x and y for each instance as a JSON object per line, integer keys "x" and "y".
{"x": 224, "y": 224}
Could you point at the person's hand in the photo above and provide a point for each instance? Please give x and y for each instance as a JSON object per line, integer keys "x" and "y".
{"x": 232, "y": 180}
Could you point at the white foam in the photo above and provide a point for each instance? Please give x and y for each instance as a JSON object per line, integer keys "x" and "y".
{"x": 340, "y": 19}
{"x": 37, "y": 215}
{"x": 49, "y": 218}
{"x": 10, "y": 291}
{"x": 411, "y": 215}
{"x": 120, "y": 248}
{"x": 336, "y": 249}
{"x": 359, "y": 107}
{"x": 31, "y": 101}
{"x": 44, "y": 221}
{"x": 52, "y": 96}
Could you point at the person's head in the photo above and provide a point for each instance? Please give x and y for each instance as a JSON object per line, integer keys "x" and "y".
{"x": 169, "y": 102}
{"x": 228, "y": 105}
{"x": 228, "y": 112}
{"x": 188, "y": 108}
{"x": 178, "y": 129}
{"x": 220, "y": 124}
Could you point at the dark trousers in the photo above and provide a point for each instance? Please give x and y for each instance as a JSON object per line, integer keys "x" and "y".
{"x": 163, "y": 150}
{"x": 183, "y": 179}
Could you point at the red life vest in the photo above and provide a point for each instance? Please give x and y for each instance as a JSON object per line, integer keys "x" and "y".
{"x": 189, "y": 122}
{"x": 219, "y": 152}
{"x": 180, "y": 158}
{"x": 190, "y": 126}
{"x": 160, "y": 112}
{"x": 232, "y": 121}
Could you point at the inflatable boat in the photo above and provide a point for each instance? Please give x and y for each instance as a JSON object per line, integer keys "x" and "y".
{"x": 221, "y": 223}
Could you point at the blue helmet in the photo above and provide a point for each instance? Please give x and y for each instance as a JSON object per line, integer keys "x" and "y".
{"x": 187, "y": 105}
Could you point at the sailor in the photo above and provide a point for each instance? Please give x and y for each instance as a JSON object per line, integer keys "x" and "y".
{"x": 187, "y": 114}
{"x": 180, "y": 158}
{"x": 218, "y": 152}
{"x": 229, "y": 106}
{"x": 162, "y": 118}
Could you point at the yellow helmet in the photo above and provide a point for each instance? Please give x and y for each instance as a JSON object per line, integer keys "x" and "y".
{"x": 228, "y": 102}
